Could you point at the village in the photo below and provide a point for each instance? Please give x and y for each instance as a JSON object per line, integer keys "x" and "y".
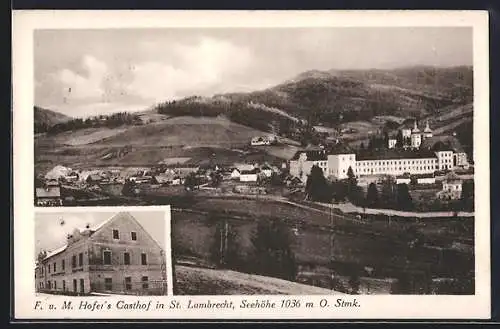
{"x": 434, "y": 172}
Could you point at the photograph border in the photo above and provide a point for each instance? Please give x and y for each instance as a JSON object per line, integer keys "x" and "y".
{"x": 24, "y": 22}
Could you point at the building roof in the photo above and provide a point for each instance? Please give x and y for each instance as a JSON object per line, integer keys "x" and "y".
{"x": 312, "y": 155}
{"x": 451, "y": 178}
{"x": 442, "y": 143}
{"x": 91, "y": 229}
{"x": 56, "y": 251}
{"x": 249, "y": 172}
{"x": 423, "y": 176}
{"x": 394, "y": 154}
{"x": 48, "y": 192}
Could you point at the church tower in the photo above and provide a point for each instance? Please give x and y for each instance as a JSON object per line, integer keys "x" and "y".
{"x": 427, "y": 130}
{"x": 416, "y": 137}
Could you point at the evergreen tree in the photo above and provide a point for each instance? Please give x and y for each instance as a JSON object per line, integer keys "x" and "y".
{"x": 399, "y": 139}
{"x": 354, "y": 192}
{"x": 388, "y": 193}
{"x": 128, "y": 188}
{"x": 467, "y": 195}
{"x": 190, "y": 182}
{"x": 339, "y": 191}
{"x": 372, "y": 199}
{"x": 317, "y": 188}
{"x": 404, "y": 200}
{"x": 272, "y": 254}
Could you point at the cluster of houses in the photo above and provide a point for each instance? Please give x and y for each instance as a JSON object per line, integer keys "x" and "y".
{"x": 104, "y": 179}
{"x": 263, "y": 140}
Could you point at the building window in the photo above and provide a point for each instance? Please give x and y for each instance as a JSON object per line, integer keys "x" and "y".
{"x": 128, "y": 283}
{"x": 80, "y": 259}
{"x": 64, "y": 285}
{"x": 133, "y": 235}
{"x": 107, "y": 257}
{"x": 73, "y": 261}
{"x": 144, "y": 260}
{"x": 55, "y": 285}
{"x": 145, "y": 284}
{"x": 116, "y": 234}
{"x": 48, "y": 267}
{"x": 54, "y": 267}
{"x": 126, "y": 258}
{"x": 75, "y": 285}
{"x": 108, "y": 284}
{"x": 63, "y": 264}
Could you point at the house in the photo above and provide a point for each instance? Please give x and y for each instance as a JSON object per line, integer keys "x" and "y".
{"x": 249, "y": 175}
{"x": 93, "y": 178}
{"x": 72, "y": 177}
{"x": 118, "y": 256}
{"x": 266, "y": 170}
{"x": 48, "y": 196}
{"x": 141, "y": 179}
{"x": 403, "y": 179}
{"x": 235, "y": 174}
{"x": 259, "y": 141}
{"x": 244, "y": 166}
{"x": 58, "y": 172}
{"x": 162, "y": 179}
{"x": 452, "y": 187}
{"x": 425, "y": 179}
{"x": 176, "y": 181}
{"x": 391, "y": 143}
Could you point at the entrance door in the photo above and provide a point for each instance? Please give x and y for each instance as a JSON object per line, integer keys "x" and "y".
{"x": 82, "y": 286}
{"x": 75, "y": 288}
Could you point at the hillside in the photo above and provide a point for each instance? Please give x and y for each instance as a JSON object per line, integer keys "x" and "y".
{"x": 361, "y": 103}
{"x": 202, "y": 281}
{"x": 194, "y": 138}
{"x": 333, "y": 97}
{"x": 43, "y": 118}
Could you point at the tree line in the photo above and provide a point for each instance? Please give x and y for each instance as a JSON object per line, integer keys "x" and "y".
{"x": 388, "y": 196}
{"x": 110, "y": 121}
{"x": 237, "y": 111}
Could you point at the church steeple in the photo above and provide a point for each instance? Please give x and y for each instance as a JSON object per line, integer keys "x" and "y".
{"x": 415, "y": 128}
{"x": 427, "y": 128}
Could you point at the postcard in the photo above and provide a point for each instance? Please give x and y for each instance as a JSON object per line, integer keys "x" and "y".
{"x": 250, "y": 165}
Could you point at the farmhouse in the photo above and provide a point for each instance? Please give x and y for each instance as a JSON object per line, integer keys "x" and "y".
{"x": 48, "y": 196}
{"x": 266, "y": 170}
{"x": 235, "y": 174}
{"x": 249, "y": 175}
{"x": 425, "y": 179}
{"x": 115, "y": 256}
{"x": 260, "y": 140}
{"x": 58, "y": 172}
{"x": 452, "y": 187}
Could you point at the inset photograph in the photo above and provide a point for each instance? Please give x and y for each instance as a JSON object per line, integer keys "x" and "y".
{"x": 89, "y": 253}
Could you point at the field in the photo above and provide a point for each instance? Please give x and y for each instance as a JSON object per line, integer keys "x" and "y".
{"x": 188, "y": 139}
{"x": 376, "y": 243}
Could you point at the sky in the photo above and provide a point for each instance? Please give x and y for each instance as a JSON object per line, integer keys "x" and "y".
{"x": 50, "y": 234}
{"x": 88, "y": 72}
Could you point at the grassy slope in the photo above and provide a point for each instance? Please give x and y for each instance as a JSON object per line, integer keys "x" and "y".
{"x": 196, "y": 138}
{"x": 48, "y": 117}
{"x": 201, "y": 281}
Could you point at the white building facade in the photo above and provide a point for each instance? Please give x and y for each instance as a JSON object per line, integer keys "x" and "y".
{"x": 390, "y": 163}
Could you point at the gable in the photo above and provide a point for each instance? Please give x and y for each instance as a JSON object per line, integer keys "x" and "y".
{"x": 125, "y": 223}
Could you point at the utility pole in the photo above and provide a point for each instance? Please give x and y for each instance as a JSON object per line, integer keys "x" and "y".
{"x": 332, "y": 244}
{"x": 226, "y": 232}
{"x": 221, "y": 250}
